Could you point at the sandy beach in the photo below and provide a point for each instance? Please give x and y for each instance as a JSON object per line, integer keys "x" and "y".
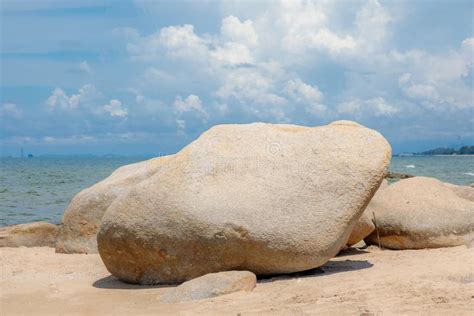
{"x": 364, "y": 282}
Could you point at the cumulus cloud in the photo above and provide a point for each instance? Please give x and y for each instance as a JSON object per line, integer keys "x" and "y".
{"x": 191, "y": 103}
{"x": 377, "y": 107}
{"x": 233, "y": 30}
{"x": 301, "y": 91}
{"x": 115, "y": 109}
{"x": 372, "y": 22}
{"x": 182, "y": 42}
{"x": 303, "y": 26}
{"x": 438, "y": 82}
{"x": 188, "y": 109}
{"x": 249, "y": 85}
{"x": 264, "y": 64}
{"x": 9, "y": 109}
{"x": 59, "y": 98}
{"x": 251, "y": 61}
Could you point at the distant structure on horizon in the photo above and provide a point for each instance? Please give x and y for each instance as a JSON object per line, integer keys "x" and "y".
{"x": 465, "y": 150}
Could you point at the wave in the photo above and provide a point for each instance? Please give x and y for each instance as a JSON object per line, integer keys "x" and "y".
{"x": 469, "y": 173}
{"x": 410, "y": 166}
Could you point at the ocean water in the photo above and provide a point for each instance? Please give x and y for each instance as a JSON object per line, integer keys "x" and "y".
{"x": 41, "y": 188}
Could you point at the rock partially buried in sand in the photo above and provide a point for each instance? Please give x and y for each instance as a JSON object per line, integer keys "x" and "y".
{"x": 420, "y": 213}
{"x": 259, "y": 197}
{"x": 211, "y": 285}
{"x": 81, "y": 220}
{"x": 365, "y": 225}
{"x": 37, "y": 234}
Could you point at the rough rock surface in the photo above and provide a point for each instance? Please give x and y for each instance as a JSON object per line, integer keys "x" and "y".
{"x": 463, "y": 191}
{"x": 422, "y": 212}
{"x": 259, "y": 197}
{"x": 37, "y": 234}
{"x": 211, "y": 285}
{"x": 81, "y": 220}
{"x": 365, "y": 225}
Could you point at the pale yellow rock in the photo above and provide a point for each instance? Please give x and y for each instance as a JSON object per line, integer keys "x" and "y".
{"x": 36, "y": 234}
{"x": 422, "y": 212}
{"x": 259, "y": 197}
{"x": 81, "y": 220}
{"x": 211, "y": 285}
{"x": 365, "y": 225}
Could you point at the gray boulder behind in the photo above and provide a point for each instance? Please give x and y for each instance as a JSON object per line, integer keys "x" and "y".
{"x": 423, "y": 212}
{"x": 81, "y": 220}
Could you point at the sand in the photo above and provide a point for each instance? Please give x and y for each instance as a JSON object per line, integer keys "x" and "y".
{"x": 37, "y": 281}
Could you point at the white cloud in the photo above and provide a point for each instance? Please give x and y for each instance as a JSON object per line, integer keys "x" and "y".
{"x": 249, "y": 86}
{"x": 231, "y": 47}
{"x": 380, "y": 107}
{"x": 310, "y": 96}
{"x": 239, "y": 32}
{"x": 59, "y": 98}
{"x": 301, "y": 91}
{"x": 84, "y": 67}
{"x": 188, "y": 109}
{"x": 350, "y": 107}
{"x": 256, "y": 65}
{"x": 377, "y": 107}
{"x": 9, "y": 109}
{"x": 182, "y": 42}
{"x": 438, "y": 82}
{"x": 301, "y": 27}
{"x": 181, "y": 124}
{"x": 372, "y": 22}
{"x": 232, "y": 54}
{"x": 191, "y": 103}
{"x": 114, "y": 108}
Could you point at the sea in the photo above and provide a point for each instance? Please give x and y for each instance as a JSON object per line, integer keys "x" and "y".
{"x": 40, "y": 188}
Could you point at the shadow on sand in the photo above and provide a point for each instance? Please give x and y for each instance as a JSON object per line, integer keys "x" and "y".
{"x": 328, "y": 268}
{"x": 351, "y": 251}
{"x": 112, "y": 282}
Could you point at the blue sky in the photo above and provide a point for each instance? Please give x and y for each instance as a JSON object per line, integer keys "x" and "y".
{"x": 147, "y": 77}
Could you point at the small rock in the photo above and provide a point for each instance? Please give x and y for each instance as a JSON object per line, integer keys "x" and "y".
{"x": 211, "y": 285}
{"x": 37, "y": 234}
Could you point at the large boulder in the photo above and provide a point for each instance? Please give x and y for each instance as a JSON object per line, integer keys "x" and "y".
{"x": 81, "y": 220}
{"x": 259, "y": 197}
{"x": 422, "y": 212}
{"x": 36, "y": 234}
{"x": 211, "y": 285}
{"x": 365, "y": 225}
